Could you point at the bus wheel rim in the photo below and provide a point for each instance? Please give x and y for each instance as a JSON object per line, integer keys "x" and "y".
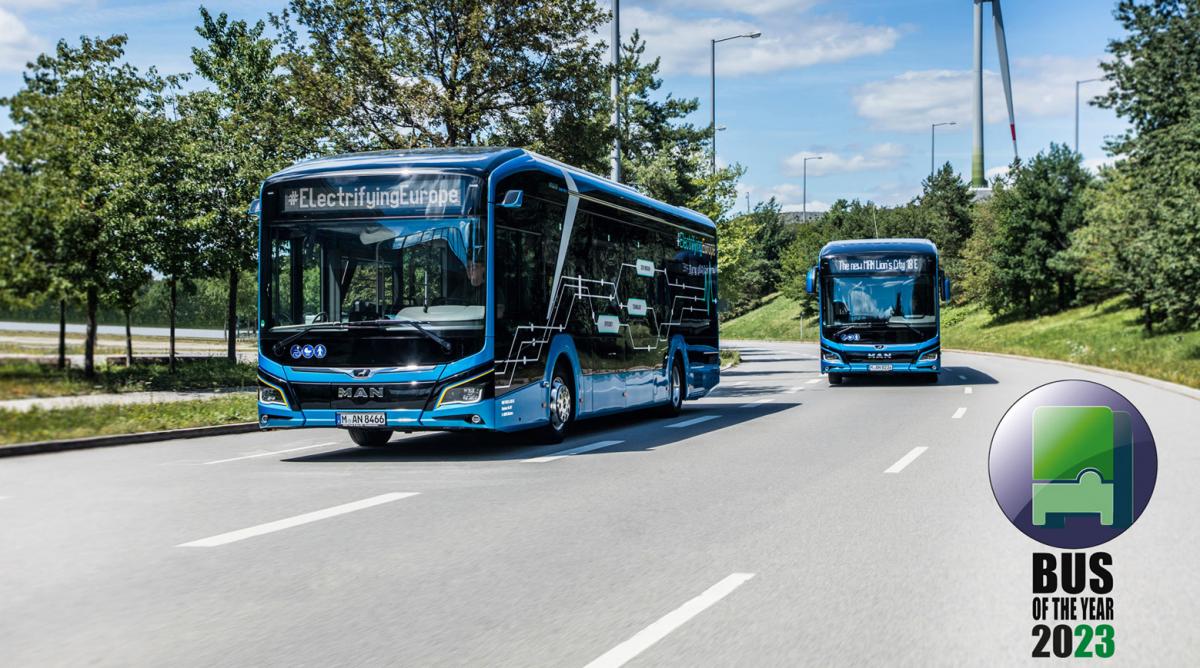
{"x": 676, "y": 386}
{"x": 560, "y": 404}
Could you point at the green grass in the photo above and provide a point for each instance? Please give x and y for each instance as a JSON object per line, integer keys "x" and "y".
{"x": 64, "y": 423}
{"x": 730, "y": 357}
{"x": 20, "y": 380}
{"x": 776, "y": 320}
{"x": 1106, "y": 335}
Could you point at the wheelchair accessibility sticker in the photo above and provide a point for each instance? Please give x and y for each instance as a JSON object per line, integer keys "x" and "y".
{"x": 1073, "y": 464}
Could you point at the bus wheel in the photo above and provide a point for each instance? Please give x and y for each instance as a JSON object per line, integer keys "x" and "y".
{"x": 561, "y": 407}
{"x": 835, "y": 379}
{"x": 931, "y": 378}
{"x": 371, "y": 438}
{"x": 675, "y": 380}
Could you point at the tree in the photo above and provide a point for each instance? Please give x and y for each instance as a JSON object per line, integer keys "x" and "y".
{"x": 1034, "y": 221}
{"x": 243, "y": 129}
{"x": 736, "y": 242}
{"x": 945, "y": 216}
{"x": 382, "y": 75}
{"x": 79, "y": 120}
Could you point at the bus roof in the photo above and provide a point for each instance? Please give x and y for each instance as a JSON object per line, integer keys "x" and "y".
{"x": 851, "y": 246}
{"x": 479, "y": 160}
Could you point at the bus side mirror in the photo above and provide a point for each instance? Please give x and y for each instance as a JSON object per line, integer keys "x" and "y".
{"x": 945, "y": 288}
{"x": 810, "y": 281}
{"x": 513, "y": 199}
{"x": 255, "y": 208}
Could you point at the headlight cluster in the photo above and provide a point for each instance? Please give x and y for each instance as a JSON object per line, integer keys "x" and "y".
{"x": 463, "y": 394}
{"x": 931, "y": 356}
{"x": 832, "y": 358}
{"x": 269, "y": 394}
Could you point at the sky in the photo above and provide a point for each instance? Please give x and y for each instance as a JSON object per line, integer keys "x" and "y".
{"x": 857, "y": 82}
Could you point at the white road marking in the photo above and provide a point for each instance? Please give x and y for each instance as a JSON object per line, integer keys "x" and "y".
{"x": 795, "y": 389}
{"x": 906, "y": 459}
{"x": 642, "y": 640}
{"x": 968, "y": 390}
{"x": 962, "y": 410}
{"x": 760, "y": 402}
{"x": 572, "y": 451}
{"x": 813, "y": 380}
{"x": 279, "y": 525}
{"x": 276, "y": 452}
{"x": 688, "y": 423}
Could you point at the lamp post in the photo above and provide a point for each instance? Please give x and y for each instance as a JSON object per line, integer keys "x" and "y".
{"x": 712, "y": 89}
{"x": 804, "y": 205}
{"x": 1077, "y": 85}
{"x": 933, "y": 144}
{"x": 616, "y": 92}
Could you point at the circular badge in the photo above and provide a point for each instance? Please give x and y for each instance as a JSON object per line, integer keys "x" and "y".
{"x": 308, "y": 351}
{"x": 296, "y": 352}
{"x": 1073, "y": 464}
{"x": 320, "y": 351}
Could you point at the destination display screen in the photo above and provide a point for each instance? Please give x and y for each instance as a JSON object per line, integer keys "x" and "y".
{"x": 880, "y": 264}
{"x": 391, "y": 195}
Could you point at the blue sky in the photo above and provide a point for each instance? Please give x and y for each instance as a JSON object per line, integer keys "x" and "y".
{"x": 857, "y": 82}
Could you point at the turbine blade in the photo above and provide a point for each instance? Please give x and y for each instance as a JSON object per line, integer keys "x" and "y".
{"x": 1002, "y": 47}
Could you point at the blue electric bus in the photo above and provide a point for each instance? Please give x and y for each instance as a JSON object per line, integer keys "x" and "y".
{"x": 879, "y": 310}
{"x": 475, "y": 289}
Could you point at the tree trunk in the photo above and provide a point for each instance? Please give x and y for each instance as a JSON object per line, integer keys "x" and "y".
{"x": 128, "y": 339}
{"x": 231, "y": 315}
{"x": 171, "y": 316}
{"x": 1148, "y": 318}
{"x": 62, "y": 334}
{"x": 89, "y": 341}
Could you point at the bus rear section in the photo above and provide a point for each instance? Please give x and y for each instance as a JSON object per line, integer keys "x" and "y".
{"x": 879, "y": 308}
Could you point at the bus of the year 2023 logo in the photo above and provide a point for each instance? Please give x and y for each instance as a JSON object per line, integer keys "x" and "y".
{"x": 1073, "y": 465}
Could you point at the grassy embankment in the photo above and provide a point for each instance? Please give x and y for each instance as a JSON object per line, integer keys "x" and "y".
{"x": 1106, "y": 335}
{"x": 65, "y": 423}
{"x": 21, "y": 380}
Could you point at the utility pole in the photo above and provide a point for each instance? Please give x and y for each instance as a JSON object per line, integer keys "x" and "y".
{"x": 616, "y": 92}
{"x": 712, "y": 90}
{"x": 804, "y": 205}
{"x": 933, "y": 145}
{"x": 1077, "y": 84}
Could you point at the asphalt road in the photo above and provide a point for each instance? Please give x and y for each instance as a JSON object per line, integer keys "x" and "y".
{"x": 778, "y": 522}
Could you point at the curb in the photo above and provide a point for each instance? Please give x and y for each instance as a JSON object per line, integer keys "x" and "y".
{"x": 125, "y": 439}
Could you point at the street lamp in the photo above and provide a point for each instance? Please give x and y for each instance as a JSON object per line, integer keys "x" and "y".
{"x": 933, "y": 144}
{"x": 713, "y": 88}
{"x": 804, "y": 209}
{"x": 1077, "y": 84}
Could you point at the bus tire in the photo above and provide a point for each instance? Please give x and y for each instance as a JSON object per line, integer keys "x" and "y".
{"x": 835, "y": 379}
{"x": 676, "y": 388}
{"x": 931, "y": 378}
{"x": 560, "y": 405}
{"x": 371, "y": 438}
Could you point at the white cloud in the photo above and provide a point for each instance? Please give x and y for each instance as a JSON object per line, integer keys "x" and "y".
{"x": 874, "y": 158}
{"x": 790, "y": 196}
{"x": 1042, "y": 87}
{"x": 752, "y": 7}
{"x": 17, "y": 44}
{"x": 996, "y": 172}
{"x": 790, "y": 39}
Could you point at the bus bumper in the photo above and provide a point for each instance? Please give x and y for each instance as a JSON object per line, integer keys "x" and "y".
{"x": 460, "y": 417}
{"x": 927, "y": 361}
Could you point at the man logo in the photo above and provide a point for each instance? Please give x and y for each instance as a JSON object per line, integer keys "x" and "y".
{"x": 360, "y": 392}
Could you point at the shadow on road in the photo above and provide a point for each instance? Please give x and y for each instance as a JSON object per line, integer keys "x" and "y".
{"x": 638, "y": 430}
{"x": 950, "y": 377}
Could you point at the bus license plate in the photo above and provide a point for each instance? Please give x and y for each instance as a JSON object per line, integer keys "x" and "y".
{"x": 362, "y": 419}
{"x": 879, "y": 367}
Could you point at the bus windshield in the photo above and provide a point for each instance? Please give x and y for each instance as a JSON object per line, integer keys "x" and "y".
{"x": 377, "y": 250}
{"x": 880, "y": 308}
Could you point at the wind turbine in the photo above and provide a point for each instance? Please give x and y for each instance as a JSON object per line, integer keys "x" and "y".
{"x": 977, "y": 166}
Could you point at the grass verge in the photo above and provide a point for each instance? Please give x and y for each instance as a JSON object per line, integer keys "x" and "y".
{"x": 730, "y": 357}
{"x": 21, "y": 380}
{"x": 67, "y": 423}
{"x": 1106, "y": 335}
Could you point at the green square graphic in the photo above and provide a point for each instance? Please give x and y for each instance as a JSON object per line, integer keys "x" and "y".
{"x": 1070, "y": 439}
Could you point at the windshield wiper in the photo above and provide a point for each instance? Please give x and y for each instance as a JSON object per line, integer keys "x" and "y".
{"x": 283, "y": 343}
{"x": 415, "y": 324}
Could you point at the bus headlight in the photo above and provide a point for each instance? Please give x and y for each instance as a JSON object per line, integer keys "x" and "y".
{"x": 931, "y": 356}
{"x": 463, "y": 394}
{"x": 832, "y": 358}
{"x": 271, "y": 395}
